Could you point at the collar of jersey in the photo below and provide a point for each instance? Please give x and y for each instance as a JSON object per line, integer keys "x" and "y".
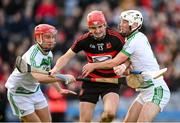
{"x": 39, "y": 47}
{"x": 133, "y": 33}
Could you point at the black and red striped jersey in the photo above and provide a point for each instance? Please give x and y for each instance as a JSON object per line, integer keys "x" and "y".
{"x": 99, "y": 50}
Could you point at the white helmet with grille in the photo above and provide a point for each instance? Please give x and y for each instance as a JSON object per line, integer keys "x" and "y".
{"x": 132, "y": 16}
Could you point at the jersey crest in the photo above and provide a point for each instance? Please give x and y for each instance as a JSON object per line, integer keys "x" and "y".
{"x": 108, "y": 45}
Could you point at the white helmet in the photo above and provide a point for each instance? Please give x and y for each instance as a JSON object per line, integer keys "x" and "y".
{"x": 132, "y": 16}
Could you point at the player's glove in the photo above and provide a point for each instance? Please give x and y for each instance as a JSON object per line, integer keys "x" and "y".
{"x": 67, "y": 78}
{"x": 134, "y": 81}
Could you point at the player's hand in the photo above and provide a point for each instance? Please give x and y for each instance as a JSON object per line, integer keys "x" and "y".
{"x": 88, "y": 68}
{"x": 53, "y": 71}
{"x": 66, "y": 91}
{"x": 70, "y": 79}
{"x": 119, "y": 70}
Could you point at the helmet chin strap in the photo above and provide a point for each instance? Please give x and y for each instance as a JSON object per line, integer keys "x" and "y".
{"x": 133, "y": 30}
{"x": 45, "y": 51}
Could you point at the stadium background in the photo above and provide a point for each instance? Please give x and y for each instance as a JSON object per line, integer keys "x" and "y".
{"x": 19, "y": 17}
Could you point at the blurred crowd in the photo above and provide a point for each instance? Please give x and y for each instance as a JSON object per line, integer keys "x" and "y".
{"x": 19, "y": 17}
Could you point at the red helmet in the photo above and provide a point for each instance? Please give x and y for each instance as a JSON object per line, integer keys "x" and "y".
{"x": 44, "y": 28}
{"x": 40, "y": 30}
{"x": 95, "y": 18}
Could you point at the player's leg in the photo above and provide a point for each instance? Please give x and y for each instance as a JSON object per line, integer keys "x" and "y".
{"x": 41, "y": 107}
{"x": 44, "y": 114}
{"x": 155, "y": 100}
{"x": 23, "y": 107}
{"x": 33, "y": 117}
{"x": 111, "y": 103}
{"x": 133, "y": 112}
{"x": 148, "y": 112}
{"x": 88, "y": 100}
{"x": 86, "y": 111}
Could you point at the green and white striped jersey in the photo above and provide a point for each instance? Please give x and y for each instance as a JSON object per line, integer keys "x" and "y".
{"x": 25, "y": 83}
{"x": 138, "y": 49}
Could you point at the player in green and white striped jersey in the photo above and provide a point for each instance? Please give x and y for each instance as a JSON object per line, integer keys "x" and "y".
{"x": 154, "y": 93}
{"x": 24, "y": 94}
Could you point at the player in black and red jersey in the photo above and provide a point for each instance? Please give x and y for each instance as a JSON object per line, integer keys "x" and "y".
{"x": 99, "y": 44}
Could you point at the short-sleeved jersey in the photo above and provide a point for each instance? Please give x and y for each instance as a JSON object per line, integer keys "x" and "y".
{"x": 25, "y": 83}
{"x": 138, "y": 49}
{"x": 99, "y": 50}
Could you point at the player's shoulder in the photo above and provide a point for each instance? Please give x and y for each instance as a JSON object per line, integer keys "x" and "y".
{"x": 112, "y": 31}
{"x": 33, "y": 47}
{"x": 115, "y": 33}
{"x": 140, "y": 37}
{"x": 83, "y": 36}
{"x": 33, "y": 50}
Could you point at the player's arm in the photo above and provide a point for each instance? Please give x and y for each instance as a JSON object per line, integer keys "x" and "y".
{"x": 56, "y": 86}
{"x": 61, "y": 90}
{"x": 62, "y": 61}
{"x": 42, "y": 78}
{"x": 123, "y": 69}
{"x": 118, "y": 59}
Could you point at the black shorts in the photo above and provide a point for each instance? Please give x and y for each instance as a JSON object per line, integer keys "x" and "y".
{"x": 90, "y": 92}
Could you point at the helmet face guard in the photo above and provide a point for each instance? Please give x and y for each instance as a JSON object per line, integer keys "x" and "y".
{"x": 45, "y": 31}
{"x": 132, "y": 16}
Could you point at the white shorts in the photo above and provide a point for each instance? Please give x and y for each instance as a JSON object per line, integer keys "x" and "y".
{"x": 159, "y": 95}
{"x": 23, "y": 105}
